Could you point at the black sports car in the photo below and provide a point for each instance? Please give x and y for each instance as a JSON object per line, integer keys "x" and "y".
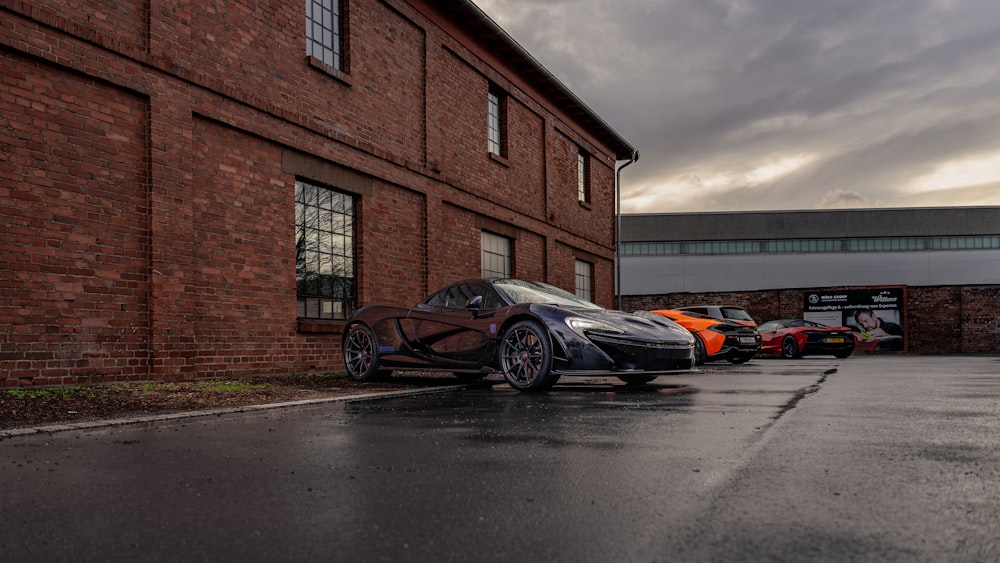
{"x": 531, "y": 332}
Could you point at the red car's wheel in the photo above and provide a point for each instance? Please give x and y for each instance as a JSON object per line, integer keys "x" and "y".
{"x": 789, "y": 348}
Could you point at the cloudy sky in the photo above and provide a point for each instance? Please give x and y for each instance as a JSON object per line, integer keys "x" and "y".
{"x": 783, "y": 104}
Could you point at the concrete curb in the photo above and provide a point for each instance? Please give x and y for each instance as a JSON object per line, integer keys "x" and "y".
{"x": 136, "y": 420}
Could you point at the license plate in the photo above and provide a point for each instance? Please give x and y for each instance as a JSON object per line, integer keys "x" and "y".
{"x": 749, "y": 340}
{"x": 837, "y": 340}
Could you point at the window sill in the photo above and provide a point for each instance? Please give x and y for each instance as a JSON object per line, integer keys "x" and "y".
{"x": 586, "y": 204}
{"x": 320, "y": 327}
{"x": 319, "y": 65}
{"x": 499, "y": 159}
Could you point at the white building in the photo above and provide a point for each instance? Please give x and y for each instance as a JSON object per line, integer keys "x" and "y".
{"x": 708, "y": 252}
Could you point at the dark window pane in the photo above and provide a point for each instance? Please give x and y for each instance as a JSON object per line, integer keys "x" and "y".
{"x": 324, "y": 252}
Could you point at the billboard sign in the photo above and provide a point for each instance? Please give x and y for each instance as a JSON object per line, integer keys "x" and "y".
{"x": 875, "y": 315}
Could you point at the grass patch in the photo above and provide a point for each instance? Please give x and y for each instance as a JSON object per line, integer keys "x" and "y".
{"x": 51, "y": 393}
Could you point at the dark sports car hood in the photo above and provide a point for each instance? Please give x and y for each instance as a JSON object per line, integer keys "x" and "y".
{"x": 640, "y": 325}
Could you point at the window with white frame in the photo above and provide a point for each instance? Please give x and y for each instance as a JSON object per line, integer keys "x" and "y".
{"x": 324, "y": 252}
{"x": 496, "y": 121}
{"x": 583, "y": 177}
{"x": 584, "y": 280}
{"x": 496, "y": 256}
{"x": 325, "y": 37}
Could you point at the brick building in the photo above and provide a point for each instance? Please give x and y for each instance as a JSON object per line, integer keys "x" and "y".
{"x": 199, "y": 189}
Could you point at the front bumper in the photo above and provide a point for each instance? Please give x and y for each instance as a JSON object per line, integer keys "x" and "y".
{"x": 630, "y": 356}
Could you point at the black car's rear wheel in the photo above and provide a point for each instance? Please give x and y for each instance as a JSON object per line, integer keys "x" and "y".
{"x": 842, "y": 353}
{"x": 361, "y": 354}
{"x": 789, "y": 349}
{"x": 526, "y": 357}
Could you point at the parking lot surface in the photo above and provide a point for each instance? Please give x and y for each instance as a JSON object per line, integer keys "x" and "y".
{"x": 868, "y": 458}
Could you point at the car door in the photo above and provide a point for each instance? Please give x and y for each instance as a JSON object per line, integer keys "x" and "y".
{"x": 770, "y": 338}
{"x": 447, "y": 334}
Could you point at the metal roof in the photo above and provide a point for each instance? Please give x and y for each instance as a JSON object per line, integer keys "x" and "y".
{"x": 826, "y": 223}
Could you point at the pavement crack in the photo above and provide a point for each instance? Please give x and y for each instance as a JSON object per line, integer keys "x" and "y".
{"x": 802, "y": 393}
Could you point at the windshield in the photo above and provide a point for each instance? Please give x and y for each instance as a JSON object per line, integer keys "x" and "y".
{"x": 735, "y": 313}
{"x": 520, "y": 291}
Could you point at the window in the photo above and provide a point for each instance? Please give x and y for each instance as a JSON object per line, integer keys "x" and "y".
{"x": 458, "y": 296}
{"x": 585, "y": 280}
{"x": 496, "y": 121}
{"x": 496, "y": 256}
{"x": 324, "y": 252}
{"x": 325, "y": 32}
{"x": 583, "y": 177}
{"x": 900, "y": 244}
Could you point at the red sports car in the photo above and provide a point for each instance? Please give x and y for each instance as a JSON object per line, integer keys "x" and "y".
{"x": 792, "y": 338}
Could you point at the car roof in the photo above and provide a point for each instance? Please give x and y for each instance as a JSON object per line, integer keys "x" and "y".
{"x": 696, "y": 315}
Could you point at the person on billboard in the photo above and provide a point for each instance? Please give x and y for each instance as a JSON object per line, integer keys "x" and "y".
{"x": 875, "y": 326}
{"x": 877, "y": 333}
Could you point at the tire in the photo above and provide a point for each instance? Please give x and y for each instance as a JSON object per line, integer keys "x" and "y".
{"x": 525, "y": 357}
{"x": 789, "y": 349}
{"x": 842, "y": 354}
{"x": 636, "y": 379}
{"x": 361, "y": 354}
{"x": 700, "y": 354}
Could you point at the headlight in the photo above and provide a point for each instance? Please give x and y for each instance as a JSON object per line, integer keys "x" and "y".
{"x": 583, "y": 325}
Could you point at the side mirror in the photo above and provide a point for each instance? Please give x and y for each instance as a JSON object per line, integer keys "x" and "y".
{"x": 474, "y": 304}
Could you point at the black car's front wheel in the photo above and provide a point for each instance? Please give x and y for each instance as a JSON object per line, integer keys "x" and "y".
{"x": 361, "y": 354}
{"x": 526, "y": 357}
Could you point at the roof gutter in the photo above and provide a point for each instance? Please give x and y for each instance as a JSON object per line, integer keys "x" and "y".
{"x": 618, "y": 227}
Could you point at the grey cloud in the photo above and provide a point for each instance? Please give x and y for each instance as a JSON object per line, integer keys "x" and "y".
{"x": 840, "y": 198}
{"x": 875, "y": 93}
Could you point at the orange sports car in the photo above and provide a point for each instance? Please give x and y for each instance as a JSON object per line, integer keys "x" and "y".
{"x": 716, "y": 339}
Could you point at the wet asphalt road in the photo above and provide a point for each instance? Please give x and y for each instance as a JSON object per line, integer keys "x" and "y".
{"x": 873, "y": 458}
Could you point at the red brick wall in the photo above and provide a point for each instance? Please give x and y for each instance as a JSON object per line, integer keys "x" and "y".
{"x": 74, "y": 234}
{"x": 980, "y": 318}
{"x": 392, "y": 244}
{"x": 147, "y": 205}
{"x": 939, "y": 320}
